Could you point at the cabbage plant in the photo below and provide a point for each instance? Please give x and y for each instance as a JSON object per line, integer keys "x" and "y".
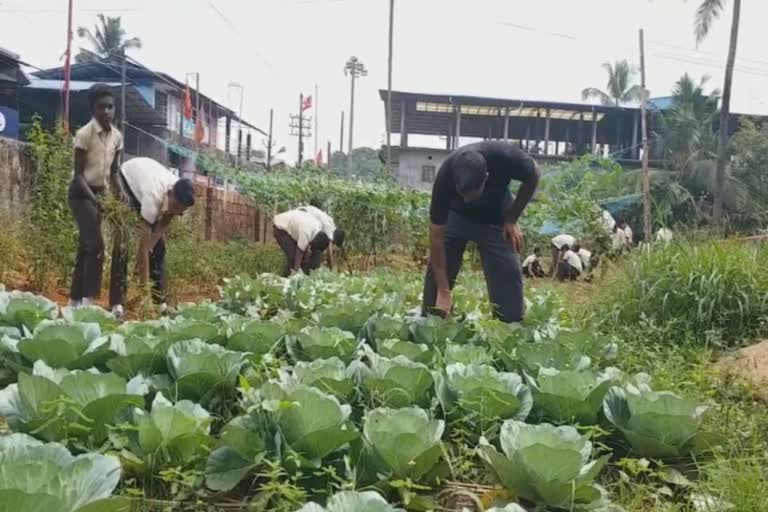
{"x": 242, "y": 445}
{"x": 63, "y": 344}
{"x": 416, "y": 352}
{"x": 168, "y": 435}
{"x": 433, "y": 330}
{"x": 402, "y": 443}
{"x": 331, "y": 376}
{"x": 37, "y": 477}
{"x": 311, "y": 423}
{"x": 397, "y": 382}
{"x": 199, "y": 369}
{"x": 531, "y": 357}
{"x": 481, "y": 394}
{"x": 658, "y": 424}
{"x": 547, "y": 465}
{"x": 142, "y": 355}
{"x": 180, "y": 329}
{"x": 379, "y": 328}
{"x": 257, "y": 337}
{"x": 349, "y": 316}
{"x": 25, "y": 310}
{"x": 352, "y": 501}
{"x": 571, "y": 395}
{"x": 322, "y": 343}
{"x": 58, "y": 404}
{"x": 466, "y": 354}
{"x": 91, "y": 314}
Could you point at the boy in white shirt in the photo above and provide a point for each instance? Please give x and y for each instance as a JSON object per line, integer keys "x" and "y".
{"x": 570, "y": 267}
{"x": 337, "y": 236}
{"x": 532, "y": 265}
{"x": 558, "y": 243}
{"x": 300, "y": 235}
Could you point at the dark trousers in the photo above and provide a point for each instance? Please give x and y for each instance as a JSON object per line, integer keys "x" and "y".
{"x": 534, "y": 271}
{"x": 89, "y": 262}
{"x": 567, "y": 272}
{"x": 119, "y": 272}
{"x": 289, "y": 247}
{"x": 501, "y": 266}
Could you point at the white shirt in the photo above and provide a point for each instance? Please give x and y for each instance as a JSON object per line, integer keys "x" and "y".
{"x": 573, "y": 260}
{"x": 628, "y": 235}
{"x": 329, "y": 226}
{"x": 100, "y": 148}
{"x": 302, "y": 226}
{"x": 529, "y": 260}
{"x": 664, "y": 235}
{"x": 560, "y": 240}
{"x": 608, "y": 221}
{"x": 149, "y": 181}
{"x": 618, "y": 239}
{"x": 586, "y": 258}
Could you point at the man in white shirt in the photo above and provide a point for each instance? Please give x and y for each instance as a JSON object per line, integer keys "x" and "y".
{"x": 532, "y": 265}
{"x": 570, "y": 267}
{"x": 618, "y": 240}
{"x": 664, "y": 235}
{"x": 97, "y": 155}
{"x": 336, "y": 235}
{"x": 558, "y": 243}
{"x": 300, "y": 235}
{"x": 628, "y": 235}
{"x": 158, "y": 196}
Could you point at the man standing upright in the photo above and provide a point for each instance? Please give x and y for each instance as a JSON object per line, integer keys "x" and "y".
{"x": 97, "y": 157}
{"x": 471, "y": 201}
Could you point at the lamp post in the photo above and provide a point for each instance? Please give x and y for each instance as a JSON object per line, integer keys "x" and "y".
{"x": 354, "y": 68}
{"x": 230, "y": 86}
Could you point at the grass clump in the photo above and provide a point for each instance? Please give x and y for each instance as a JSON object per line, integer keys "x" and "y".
{"x": 713, "y": 291}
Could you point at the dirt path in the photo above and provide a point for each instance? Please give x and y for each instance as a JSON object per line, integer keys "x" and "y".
{"x": 751, "y": 363}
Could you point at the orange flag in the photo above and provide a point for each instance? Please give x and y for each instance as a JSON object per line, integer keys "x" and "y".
{"x": 200, "y": 126}
{"x": 319, "y": 158}
{"x": 187, "y": 103}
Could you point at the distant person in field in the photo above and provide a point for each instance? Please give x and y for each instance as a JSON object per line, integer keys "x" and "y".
{"x": 569, "y": 267}
{"x": 336, "y": 235}
{"x": 532, "y": 265}
{"x": 556, "y": 246}
{"x": 98, "y": 145}
{"x": 628, "y": 235}
{"x": 302, "y": 238}
{"x": 588, "y": 259}
{"x": 664, "y": 235}
{"x": 471, "y": 202}
{"x": 618, "y": 240}
{"x": 158, "y": 196}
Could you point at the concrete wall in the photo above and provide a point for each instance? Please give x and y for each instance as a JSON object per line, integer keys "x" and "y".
{"x": 15, "y": 165}
{"x": 411, "y": 162}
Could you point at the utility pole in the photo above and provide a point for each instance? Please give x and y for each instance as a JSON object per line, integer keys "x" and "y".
{"x": 197, "y": 107}
{"x": 389, "y": 87}
{"x": 123, "y": 73}
{"x": 67, "y": 68}
{"x": 355, "y": 68}
{"x": 643, "y": 115}
{"x": 329, "y": 155}
{"x": 269, "y": 141}
{"x": 341, "y": 138}
{"x": 302, "y": 127}
{"x": 315, "y": 105}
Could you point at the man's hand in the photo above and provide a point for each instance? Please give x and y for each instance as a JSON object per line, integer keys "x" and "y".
{"x": 444, "y": 303}
{"x": 514, "y": 235}
{"x": 124, "y": 198}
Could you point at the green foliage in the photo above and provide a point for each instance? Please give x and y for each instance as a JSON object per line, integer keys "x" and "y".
{"x": 361, "y": 163}
{"x": 349, "y": 501}
{"x": 526, "y": 465}
{"x": 750, "y": 150}
{"x": 63, "y": 344}
{"x": 51, "y": 237}
{"x": 398, "y": 382}
{"x": 713, "y": 290}
{"x": 24, "y": 310}
{"x": 318, "y": 343}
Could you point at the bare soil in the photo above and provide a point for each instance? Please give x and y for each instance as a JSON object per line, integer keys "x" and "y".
{"x": 750, "y": 363}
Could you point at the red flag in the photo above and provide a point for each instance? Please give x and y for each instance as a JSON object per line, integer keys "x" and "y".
{"x": 187, "y": 103}
{"x": 200, "y": 126}
{"x": 307, "y": 103}
{"x": 319, "y": 158}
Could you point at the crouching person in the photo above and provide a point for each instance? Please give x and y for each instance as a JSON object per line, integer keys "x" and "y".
{"x": 302, "y": 239}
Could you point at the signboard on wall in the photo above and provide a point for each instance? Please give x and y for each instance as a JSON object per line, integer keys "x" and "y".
{"x": 9, "y": 123}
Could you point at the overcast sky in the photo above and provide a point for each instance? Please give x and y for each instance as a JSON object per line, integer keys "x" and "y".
{"x": 520, "y": 49}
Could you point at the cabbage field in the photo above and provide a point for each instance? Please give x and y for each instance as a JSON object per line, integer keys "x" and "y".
{"x": 330, "y": 393}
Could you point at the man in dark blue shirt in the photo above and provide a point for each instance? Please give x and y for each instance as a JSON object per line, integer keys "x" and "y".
{"x": 471, "y": 202}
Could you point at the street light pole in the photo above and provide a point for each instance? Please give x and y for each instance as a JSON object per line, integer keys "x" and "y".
{"x": 355, "y": 68}
{"x": 235, "y": 85}
{"x": 389, "y": 87}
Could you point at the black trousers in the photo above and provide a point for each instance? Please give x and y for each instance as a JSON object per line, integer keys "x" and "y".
{"x": 566, "y": 272}
{"x": 501, "y": 266}
{"x": 89, "y": 261}
{"x": 119, "y": 272}
{"x": 289, "y": 247}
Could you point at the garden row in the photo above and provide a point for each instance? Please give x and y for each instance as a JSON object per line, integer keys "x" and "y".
{"x": 333, "y": 380}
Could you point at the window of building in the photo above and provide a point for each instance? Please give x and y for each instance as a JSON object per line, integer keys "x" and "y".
{"x": 428, "y": 173}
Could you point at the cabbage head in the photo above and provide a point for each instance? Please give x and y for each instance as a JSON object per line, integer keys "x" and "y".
{"x": 416, "y": 352}
{"x": 242, "y": 445}
{"x": 571, "y": 395}
{"x": 25, "y": 310}
{"x": 658, "y": 424}
{"x": 200, "y": 369}
{"x": 331, "y": 376}
{"x": 530, "y": 357}
{"x": 318, "y": 343}
{"x": 433, "y": 330}
{"x": 348, "y": 316}
{"x": 352, "y": 501}
{"x": 57, "y": 404}
{"x": 382, "y": 327}
{"x": 483, "y": 395}
{"x": 256, "y": 337}
{"x": 38, "y": 477}
{"x": 466, "y": 354}
{"x": 547, "y": 465}
{"x": 311, "y": 423}
{"x": 73, "y": 345}
{"x": 398, "y": 382}
{"x": 92, "y": 314}
{"x": 402, "y": 443}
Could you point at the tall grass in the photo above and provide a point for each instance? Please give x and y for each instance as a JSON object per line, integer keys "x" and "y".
{"x": 714, "y": 291}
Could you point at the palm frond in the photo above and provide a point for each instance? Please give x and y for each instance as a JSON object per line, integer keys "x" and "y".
{"x": 634, "y": 94}
{"x": 706, "y": 14}
{"x": 592, "y": 92}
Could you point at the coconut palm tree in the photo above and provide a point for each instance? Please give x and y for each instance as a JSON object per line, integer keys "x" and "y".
{"x": 620, "y": 88}
{"x": 706, "y": 14}
{"x": 106, "y": 39}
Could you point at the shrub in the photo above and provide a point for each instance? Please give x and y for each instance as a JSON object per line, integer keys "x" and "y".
{"x": 711, "y": 291}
